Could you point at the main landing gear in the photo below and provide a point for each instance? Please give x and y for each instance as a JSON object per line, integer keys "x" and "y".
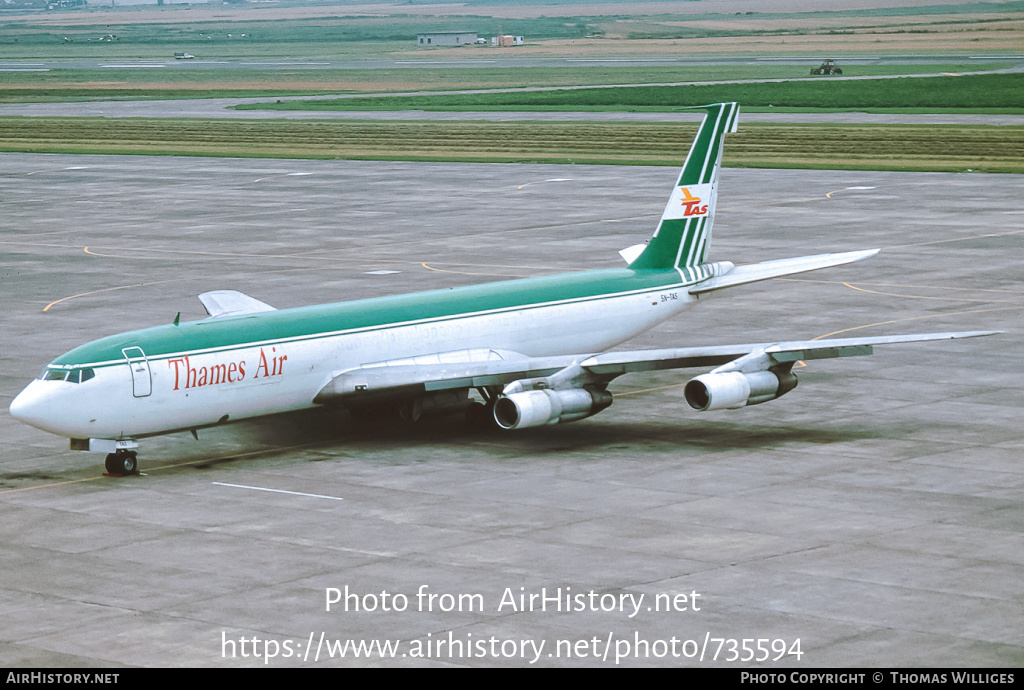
{"x": 122, "y": 462}
{"x": 480, "y": 415}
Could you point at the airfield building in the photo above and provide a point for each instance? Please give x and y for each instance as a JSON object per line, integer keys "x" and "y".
{"x": 446, "y": 38}
{"x": 505, "y": 41}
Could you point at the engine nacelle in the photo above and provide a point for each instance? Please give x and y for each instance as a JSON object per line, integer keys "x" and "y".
{"x": 734, "y": 389}
{"x": 546, "y": 406}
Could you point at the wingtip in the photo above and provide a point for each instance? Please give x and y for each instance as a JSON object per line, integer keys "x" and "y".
{"x": 976, "y": 334}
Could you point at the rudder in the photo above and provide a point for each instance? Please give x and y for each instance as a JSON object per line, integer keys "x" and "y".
{"x": 683, "y": 235}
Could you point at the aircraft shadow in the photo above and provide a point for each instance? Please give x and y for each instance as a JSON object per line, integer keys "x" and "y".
{"x": 335, "y": 433}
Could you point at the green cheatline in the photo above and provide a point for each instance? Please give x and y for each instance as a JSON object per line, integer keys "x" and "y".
{"x": 873, "y": 147}
{"x": 318, "y": 321}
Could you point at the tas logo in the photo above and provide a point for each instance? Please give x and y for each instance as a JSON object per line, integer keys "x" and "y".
{"x": 690, "y": 201}
{"x": 691, "y": 204}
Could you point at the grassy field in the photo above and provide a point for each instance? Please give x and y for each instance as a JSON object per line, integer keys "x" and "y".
{"x": 973, "y": 93}
{"x": 955, "y": 149}
{"x": 273, "y": 51}
{"x": 178, "y": 80}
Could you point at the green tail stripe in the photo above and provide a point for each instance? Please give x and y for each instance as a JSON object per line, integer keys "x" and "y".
{"x": 706, "y": 151}
{"x": 682, "y": 242}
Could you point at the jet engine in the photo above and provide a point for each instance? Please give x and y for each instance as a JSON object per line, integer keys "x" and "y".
{"x": 546, "y": 406}
{"x": 734, "y": 389}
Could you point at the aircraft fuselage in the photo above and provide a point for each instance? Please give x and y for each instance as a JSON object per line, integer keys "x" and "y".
{"x": 201, "y": 373}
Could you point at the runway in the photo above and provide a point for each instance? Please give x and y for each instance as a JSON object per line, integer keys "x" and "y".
{"x": 873, "y": 514}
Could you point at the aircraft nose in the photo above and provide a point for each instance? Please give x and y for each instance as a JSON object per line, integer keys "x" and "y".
{"x": 31, "y": 406}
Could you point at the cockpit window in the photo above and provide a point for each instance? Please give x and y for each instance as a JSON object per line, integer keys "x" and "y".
{"x": 73, "y": 376}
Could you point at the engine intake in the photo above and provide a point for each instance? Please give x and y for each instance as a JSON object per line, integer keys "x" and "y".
{"x": 546, "y": 406}
{"x": 734, "y": 389}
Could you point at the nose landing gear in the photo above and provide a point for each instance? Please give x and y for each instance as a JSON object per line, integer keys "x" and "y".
{"x": 122, "y": 459}
{"x": 122, "y": 463}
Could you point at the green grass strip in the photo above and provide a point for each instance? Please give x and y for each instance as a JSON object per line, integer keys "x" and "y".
{"x": 980, "y": 92}
{"x": 838, "y": 146}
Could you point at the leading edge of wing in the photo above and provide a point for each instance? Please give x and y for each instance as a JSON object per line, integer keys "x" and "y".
{"x": 378, "y": 381}
{"x": 369, "y": 383}
{"x": 764, "y": 270}
{"x": 617, "y": 363}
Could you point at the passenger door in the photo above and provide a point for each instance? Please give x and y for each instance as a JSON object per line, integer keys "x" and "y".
{"x": 142, "y": 379}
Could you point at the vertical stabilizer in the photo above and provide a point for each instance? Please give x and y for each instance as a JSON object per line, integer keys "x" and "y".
{"x": 684, "y": 232}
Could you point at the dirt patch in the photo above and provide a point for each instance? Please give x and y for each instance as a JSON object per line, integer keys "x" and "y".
{"x": 990, "y": 21}
{"x": 952, "y": 43}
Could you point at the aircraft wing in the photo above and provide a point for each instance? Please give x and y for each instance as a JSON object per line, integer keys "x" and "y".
{"x": 407, "y": 378}
{"x": 220, "y": 303}
{"x": 751, "y": 273}
{"x": 384, "y": 381}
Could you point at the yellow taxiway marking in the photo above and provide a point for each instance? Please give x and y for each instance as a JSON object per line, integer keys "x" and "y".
{"x": 648, "y": 390}
{"x": 897, "y": 294}
{"x": 947, "y": 288}
{"x": 1013, "y": 305}
{"x": 233, "y": 456}
{"x": 915, "y": 318}
{"x": 109, "y": 289}
{"x": 46, "y": 486}
{"x": 191, "y": 252}
{"x": 965, "y": 238}
{"x": 303, "y": 256}
{"x": 297, "y": 268}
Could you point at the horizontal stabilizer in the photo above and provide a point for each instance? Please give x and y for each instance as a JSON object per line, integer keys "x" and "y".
{"x": 752, "y": 273}
{"x": 221, "y": 303}
{"x": 631, "y": 253}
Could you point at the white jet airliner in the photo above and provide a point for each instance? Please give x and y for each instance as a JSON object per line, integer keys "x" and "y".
{"x": 535, "y": 350}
